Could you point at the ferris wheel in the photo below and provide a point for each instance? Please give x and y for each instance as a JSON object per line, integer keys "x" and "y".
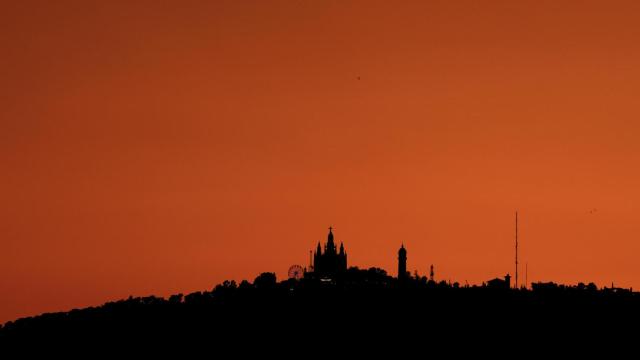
{"x": 296, "y": 272}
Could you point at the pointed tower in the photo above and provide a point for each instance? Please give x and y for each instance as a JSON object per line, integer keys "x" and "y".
{"x": 317, "y": 258}
{"x": 330, "y": 248}
{"x": 402, "y": 263}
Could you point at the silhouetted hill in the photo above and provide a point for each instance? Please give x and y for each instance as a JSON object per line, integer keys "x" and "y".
{"x": 360, "y": 303}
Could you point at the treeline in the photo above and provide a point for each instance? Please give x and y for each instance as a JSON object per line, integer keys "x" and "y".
{"x": 356, "y": 301}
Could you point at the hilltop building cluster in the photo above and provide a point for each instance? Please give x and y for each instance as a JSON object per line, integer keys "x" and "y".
{"x": 329, "y": 261}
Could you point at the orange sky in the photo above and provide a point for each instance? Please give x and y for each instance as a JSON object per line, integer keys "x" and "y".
{"x": 162, "y": 147}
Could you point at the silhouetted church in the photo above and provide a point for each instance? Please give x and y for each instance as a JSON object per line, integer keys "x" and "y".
{"x": 330, "y": 262}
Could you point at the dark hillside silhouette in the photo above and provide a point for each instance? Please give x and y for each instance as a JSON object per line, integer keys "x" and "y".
{"x": 340, "y": 304}
{"x": 351, "y": 303}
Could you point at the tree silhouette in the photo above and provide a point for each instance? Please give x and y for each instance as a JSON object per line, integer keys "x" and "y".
{"x": 352, "y": 304}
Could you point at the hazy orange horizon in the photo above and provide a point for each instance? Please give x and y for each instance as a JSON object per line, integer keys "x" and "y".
{"x": 161, "y": 147}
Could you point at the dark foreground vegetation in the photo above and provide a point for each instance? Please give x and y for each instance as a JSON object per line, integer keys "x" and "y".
{"x": 366, "y": 303}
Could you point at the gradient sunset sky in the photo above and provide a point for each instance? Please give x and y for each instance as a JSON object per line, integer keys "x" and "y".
{"x": 158, "y": 147}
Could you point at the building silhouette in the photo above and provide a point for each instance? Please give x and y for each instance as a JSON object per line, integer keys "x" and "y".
{"x": 498, "y": 283}
{"x": 330, "y": 262}
{"x": 402, "y": 263}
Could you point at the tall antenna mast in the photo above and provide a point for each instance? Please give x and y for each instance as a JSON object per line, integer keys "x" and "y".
{"x": 526, "y": 275}
{"x": 516, "y": 249}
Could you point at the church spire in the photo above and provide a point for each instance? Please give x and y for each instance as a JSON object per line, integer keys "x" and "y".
{"x": 331, "y": 246}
